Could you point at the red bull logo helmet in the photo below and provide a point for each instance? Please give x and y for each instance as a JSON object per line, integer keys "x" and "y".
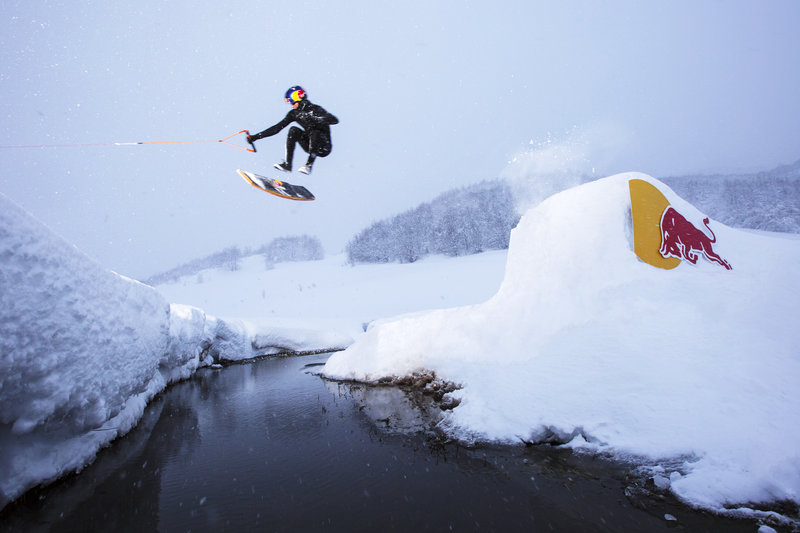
{"x": 295, "y": 94}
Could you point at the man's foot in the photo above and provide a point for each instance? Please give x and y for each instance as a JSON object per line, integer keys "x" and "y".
{"x": 284, "y": 166}
{"x": 305, "y": 169}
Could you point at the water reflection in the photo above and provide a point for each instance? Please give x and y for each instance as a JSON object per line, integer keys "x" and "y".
{"x": 99, "y": 498}
{"x": 390, "y": 409}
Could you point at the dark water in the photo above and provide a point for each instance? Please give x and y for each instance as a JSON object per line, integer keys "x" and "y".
{"x": 269, "y": 446}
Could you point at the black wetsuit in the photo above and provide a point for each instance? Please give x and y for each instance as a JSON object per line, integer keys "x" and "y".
{"x": 315, "y": 137}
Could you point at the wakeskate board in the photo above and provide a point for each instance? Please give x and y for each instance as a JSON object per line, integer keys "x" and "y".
{"x": 277, "y": 187}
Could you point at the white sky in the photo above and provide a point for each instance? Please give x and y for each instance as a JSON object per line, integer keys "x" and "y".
{"x": 430, "y": 95}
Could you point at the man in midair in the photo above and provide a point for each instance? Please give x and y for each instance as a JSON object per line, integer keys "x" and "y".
{"x": 314, "y": 136}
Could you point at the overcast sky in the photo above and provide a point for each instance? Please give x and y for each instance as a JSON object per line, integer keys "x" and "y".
{"x": 430, "y": 95}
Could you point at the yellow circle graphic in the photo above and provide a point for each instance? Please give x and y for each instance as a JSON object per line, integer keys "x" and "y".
{"x": 647, "y": 206}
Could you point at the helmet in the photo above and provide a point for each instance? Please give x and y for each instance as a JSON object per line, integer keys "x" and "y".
{"x": 295, "y": 94}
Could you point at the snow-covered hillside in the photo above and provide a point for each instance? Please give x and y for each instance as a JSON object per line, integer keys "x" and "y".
{"x": 694, "y": 371}
{"x": 82, "y": 351}
{"x": 767, "y": 200}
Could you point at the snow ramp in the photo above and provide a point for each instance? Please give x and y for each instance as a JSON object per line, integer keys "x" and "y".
{"x": 689, "y": 365}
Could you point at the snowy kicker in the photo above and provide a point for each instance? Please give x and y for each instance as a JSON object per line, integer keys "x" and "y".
{"x": 685, "y": 369}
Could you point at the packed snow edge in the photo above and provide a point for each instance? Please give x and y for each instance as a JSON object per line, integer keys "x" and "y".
{"x": 83, "y": 350}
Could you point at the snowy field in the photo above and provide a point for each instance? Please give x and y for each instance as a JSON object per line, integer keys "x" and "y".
{"x": 568, "y": 338}
{"x": 330, "y": 294}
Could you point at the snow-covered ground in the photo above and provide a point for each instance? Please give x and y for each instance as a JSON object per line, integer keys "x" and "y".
{"x": 693, "y": 372}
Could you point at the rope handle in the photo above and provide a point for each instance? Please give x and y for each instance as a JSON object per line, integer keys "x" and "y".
{"x": 225, "y": 141}
{"x": 252, "y": 145}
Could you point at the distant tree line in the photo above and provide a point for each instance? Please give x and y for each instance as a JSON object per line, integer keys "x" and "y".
{"x": 478, "y": 218}
{"x": 286, "y": 249}
{"x": 460, "y": 222}
{"x": 282, "y": 249}
{"x": 768, "y": 201}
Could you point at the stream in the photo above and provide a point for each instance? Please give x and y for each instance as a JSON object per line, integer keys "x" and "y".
{"x": 271, "y": 446}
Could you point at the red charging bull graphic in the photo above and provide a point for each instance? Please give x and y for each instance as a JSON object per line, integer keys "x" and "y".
{"x": 679, "y": 238}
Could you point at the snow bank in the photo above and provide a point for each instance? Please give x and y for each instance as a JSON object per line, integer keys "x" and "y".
{"x": 695, "y": 369}
{"x": 83, "y": 350}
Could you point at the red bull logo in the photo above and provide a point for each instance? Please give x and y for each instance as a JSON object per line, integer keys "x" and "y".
{"x": 296, "y": 96}
{"x": 681, "y": 239}
{"x": 662, "y": 237}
